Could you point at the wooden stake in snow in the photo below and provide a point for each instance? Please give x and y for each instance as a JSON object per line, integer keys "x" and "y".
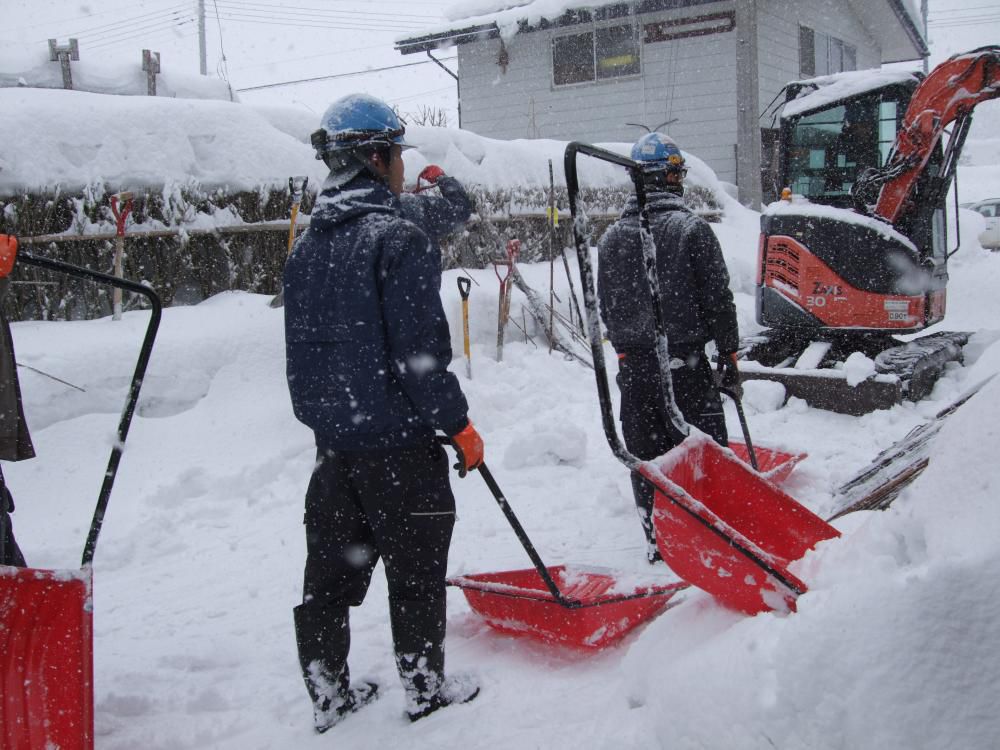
{"x": 503, "y": 305}
{"x": 121, "y": 207}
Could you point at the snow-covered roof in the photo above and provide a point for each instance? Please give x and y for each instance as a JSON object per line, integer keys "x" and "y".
{"x": 74, "y": 139}
{"x": 894, "y": 22}
{"x": 818, "y": 92}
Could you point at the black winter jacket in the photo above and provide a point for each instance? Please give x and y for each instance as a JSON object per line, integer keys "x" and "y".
{"x": 694, "y": 283}
{"x": 366, "y": 339}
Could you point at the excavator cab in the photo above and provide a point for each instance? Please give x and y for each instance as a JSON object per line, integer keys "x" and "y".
{"x": 825, "y": 146}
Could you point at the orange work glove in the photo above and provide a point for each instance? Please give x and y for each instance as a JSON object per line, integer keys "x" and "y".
{"x": 431, "y": 173}
{"x": 8, "y": 254}
{"x": 470, "y": 448}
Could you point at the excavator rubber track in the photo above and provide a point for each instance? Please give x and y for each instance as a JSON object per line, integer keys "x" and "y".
{"x": 904, "y": 370}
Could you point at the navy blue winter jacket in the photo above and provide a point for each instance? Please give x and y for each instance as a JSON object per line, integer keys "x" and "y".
{"x": 438, "y": 215}
{"x": 366, "y": 339}
{"x": 695, "y": 299}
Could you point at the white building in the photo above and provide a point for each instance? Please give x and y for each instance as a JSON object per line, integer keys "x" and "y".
{"x": 596, "y": 73}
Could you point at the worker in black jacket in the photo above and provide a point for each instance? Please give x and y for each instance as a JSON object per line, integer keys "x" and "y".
{"x": 367, "y": 348}
{"x": 697, "y": 307}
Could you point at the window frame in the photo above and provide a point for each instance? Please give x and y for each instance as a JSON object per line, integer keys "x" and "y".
{"x": 591, "y": 31}
{"x": 812, "y": 42}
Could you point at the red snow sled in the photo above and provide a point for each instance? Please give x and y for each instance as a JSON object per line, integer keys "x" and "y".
{"x": 46, "y": 616}
{"x": 719, "y": 525}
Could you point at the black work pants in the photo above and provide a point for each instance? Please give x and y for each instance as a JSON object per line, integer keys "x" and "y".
{"x": 645, "y": 424}
{"x": 10, "y": 553}
{"x": 393, "y": 504}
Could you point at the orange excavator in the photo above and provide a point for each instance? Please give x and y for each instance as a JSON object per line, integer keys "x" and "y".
{"x": 855, "y": 252}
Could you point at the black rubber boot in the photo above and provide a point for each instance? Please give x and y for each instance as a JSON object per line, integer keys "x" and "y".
{"x": 323, "y": 637}
{"x": 418, "y": 630}
{"x": 643, "y": 494}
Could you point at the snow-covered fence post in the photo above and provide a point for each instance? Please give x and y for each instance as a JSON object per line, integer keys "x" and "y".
{"x": 121, "y": 215}
{"x": 151, "y": 64}
{"x": 63, "y": 54}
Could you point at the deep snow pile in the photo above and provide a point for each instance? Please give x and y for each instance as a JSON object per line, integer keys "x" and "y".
{"x": 131, "y": 142}
{"x": 200, "y": 561}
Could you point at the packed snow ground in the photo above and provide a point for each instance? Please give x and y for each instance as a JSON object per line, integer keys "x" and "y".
{"x": 199, "y": 564}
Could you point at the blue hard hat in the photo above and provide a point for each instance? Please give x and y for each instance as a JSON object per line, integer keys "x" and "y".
{"x": 357, "y": 120}
{"x": 656, "y": 151}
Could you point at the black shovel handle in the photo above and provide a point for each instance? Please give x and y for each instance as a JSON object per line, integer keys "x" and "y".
{"x": 743, "y": 424}
{"x": 522, "y": 537}
{"x": 464, "y": 286}
{"x": 133, "y": 395}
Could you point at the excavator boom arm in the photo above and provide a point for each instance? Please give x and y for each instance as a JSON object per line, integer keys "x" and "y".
{"x": 949, "y": 94}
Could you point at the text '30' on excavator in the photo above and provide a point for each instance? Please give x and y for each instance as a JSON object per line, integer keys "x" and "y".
{"x": 855, "y": 253}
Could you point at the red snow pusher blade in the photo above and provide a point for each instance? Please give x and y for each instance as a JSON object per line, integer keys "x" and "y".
{"x": 772, "y": 463}
{"x": 46, "y": 659}
{"x": 46, "y": 616}
{"x": 518, "y": 602}
{"x": 727, "y": 530}
{"x": 571, "y": 606}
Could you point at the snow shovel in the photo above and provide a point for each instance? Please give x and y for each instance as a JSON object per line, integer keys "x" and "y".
{"x": 719, "y": 525}
{"x": 464, "y": 287}
{"x": 588, "y": 611}
{"x": 46, "y": 616}
{"x": 296, "y": 187}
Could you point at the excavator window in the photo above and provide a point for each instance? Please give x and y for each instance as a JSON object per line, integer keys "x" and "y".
{"x": 827, "y": 149}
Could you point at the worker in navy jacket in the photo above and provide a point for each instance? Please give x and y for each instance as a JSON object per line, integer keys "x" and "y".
{"x": 696, "y": 304}
{"x": 15, "y": 441}
{"x": 367, "y": 348}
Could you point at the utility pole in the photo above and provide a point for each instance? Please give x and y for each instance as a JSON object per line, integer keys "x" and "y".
{"x": 748, "y": 156}
{"x": 151, "y": 64}
{"x": 923, "y": 11}
{"x": 63, "y": 54}
{"x": 202, "y": 52}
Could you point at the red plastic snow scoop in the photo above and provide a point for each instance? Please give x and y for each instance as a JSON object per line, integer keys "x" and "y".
{"x": 568, "y": 605}
{"x": 719, "y": 524}
{"x": 727, "y": 530}
{"x": 46, "y": 616}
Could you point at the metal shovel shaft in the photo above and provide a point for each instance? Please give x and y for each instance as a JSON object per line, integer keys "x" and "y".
{"x": 743, "y": 424}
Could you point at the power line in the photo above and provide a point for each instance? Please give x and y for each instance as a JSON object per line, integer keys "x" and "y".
{"x": 967, "y": 22}
{"x": 340, "y": 75}
{"x": 300, "y": 25}
{"x": 300, "y": 18}
{"x": 126, "y": 34}
{"x": 317, "y": 12}
{"x": 953, "y": 11}
{"x": 272, "y": 63}
{"x": 149, "y": 36}
{"x": 49, "y": 22}
{"x": 110, "y": 28}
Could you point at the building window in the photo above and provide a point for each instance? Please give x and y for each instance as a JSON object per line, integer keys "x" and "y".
{"x": 821, "y": 54}
{"x": 606, "y": 52}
